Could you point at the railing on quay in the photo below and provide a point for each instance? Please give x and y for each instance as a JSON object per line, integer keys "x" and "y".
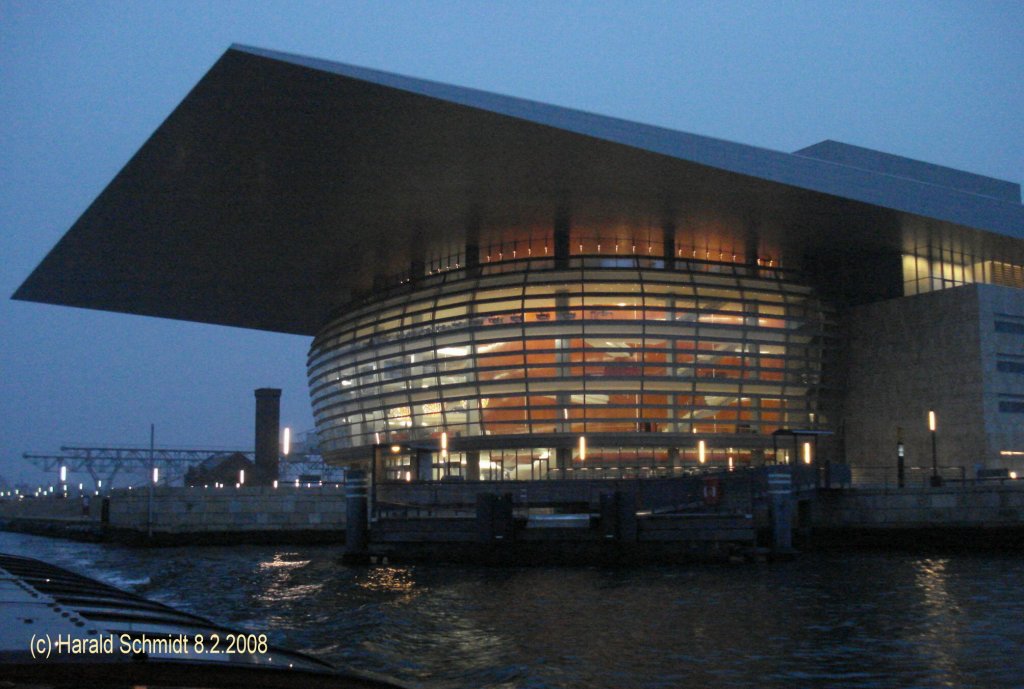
{"x": 886, "y": 476}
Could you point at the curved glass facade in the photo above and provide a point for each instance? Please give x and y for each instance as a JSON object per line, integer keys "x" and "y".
{"x": 523, "y": 354}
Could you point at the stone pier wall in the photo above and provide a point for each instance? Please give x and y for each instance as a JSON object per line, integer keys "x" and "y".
{"x": 984, "y": 505}
{"x": 212, "y": 510}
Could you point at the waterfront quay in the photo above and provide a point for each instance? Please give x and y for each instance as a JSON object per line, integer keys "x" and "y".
{"x": 747, "y": 514}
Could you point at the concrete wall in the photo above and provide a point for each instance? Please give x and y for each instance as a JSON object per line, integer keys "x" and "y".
{"x": 197, "y": 510}
{"x": 981, "y": 506}
{"x": 1004, "y": 430}
{"x": 911, "y": 355}
{"x": 50, "y": 507}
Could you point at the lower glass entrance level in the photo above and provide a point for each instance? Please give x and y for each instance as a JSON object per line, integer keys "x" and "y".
{"x": 403, "y": 464}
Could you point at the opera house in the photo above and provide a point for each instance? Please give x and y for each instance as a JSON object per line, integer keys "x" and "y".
{"x": 504, "y": 289}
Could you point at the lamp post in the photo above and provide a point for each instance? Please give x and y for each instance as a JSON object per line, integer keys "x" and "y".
{"x": 900, "y": 468}
{"x": 936, "y": 479}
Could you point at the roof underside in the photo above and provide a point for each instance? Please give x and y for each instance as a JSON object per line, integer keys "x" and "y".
{"x": 281, "y": 186}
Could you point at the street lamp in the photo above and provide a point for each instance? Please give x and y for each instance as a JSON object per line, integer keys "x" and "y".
{"x": 900, "y": 460}
{"x": 936, "y": 479}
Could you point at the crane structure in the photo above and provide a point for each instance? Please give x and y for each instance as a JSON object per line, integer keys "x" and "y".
{"x": 104, "y": 464}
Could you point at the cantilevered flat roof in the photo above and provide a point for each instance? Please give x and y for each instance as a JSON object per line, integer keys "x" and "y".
{"x": 283, "y": 185}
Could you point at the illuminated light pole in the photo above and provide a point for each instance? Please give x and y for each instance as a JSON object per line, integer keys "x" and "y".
{"x": 807, "y": 453}
{"x": 63, "y": 474}
{"x": 444, "y": 452}
{"x": 900, "y": 459}
{"x": 286, "y": 442}
{"x": 241, "y": 477}
{"x": 701, "y": 452}
{"x": 583, "y": 448}
{"x": 932, "y": 426}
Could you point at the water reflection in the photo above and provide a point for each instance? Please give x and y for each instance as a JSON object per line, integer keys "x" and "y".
{"x": 387, "y": 580}
{"x": 280, "y": 580}
{"x": 847, "y": 621}
{"x": 937, "y": 639}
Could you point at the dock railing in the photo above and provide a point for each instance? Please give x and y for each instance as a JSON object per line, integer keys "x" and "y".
{"x": 886, "y": 476}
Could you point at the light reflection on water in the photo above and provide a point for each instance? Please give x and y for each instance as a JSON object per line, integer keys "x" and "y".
{"x": 851, "y": 620}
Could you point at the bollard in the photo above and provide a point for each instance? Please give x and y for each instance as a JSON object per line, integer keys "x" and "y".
{"x": 357, "y": 531}
{"x": 504, "y": 523}
{"x": 610, "y": 515}
{"x": 625, "y": 502}
{"x": 494, "y": 517}
{"x": 485, "y": 516}
{"x": 618, "y": 516}
{"x": 780, "y": 495}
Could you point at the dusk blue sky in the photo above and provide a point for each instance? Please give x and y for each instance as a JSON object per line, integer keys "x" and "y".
{"x": 83, "y": 85}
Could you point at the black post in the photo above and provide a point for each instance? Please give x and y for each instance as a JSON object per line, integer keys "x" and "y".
{"x": 900, "y": 468}
{"x": 900, "y": 462}
{"x": 780, "y": 495}
{"x": 936, "y": 479}
{"x": 357, "y": 551}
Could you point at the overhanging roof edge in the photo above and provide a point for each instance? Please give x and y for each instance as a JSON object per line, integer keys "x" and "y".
{"x": 805, "y": 172}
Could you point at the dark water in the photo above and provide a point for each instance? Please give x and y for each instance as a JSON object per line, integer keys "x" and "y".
{"x": 850, "y": 620}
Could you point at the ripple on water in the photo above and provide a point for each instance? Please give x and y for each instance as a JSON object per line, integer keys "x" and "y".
{"x": 848, "y": 621}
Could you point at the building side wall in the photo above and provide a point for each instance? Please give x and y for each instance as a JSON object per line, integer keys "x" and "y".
{"x": 908, "y": 356}
{"x": 1002, "y": 350}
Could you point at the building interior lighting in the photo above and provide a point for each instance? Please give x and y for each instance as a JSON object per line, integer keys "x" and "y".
{"x": 583, "y": 448}
{"x": 453, "y": 351}
{"x": 701, "y": 452}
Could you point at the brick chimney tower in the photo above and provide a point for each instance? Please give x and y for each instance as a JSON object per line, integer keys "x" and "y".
{"x": 268, "y": 423}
